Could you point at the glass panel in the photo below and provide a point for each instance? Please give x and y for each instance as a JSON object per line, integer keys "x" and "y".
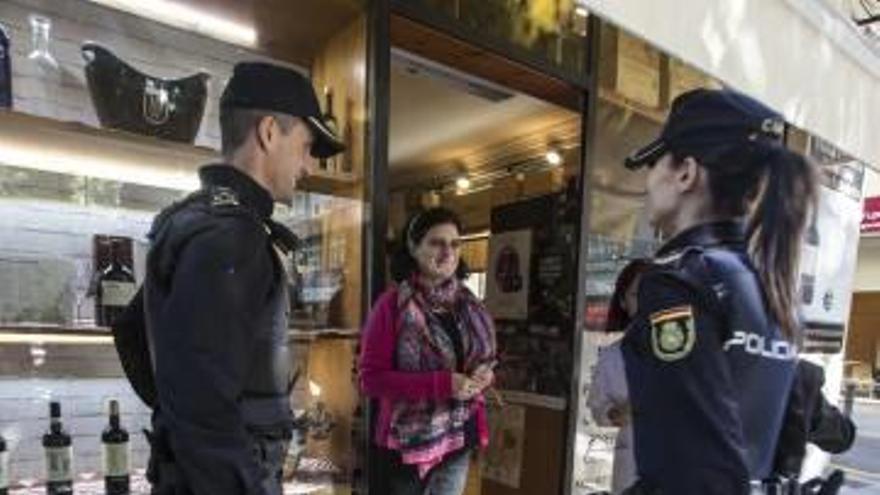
{"x": 553, "y": 31}
{"x": 637, "y": 84}
{"x": 509, "y": 168}
{"x": 84, "y": 170}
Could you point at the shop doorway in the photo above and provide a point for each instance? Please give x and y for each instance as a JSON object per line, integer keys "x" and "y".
{"x": 500, "y": 145}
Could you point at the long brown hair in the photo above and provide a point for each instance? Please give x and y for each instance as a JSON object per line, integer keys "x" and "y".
{"x": 777, "y": 189}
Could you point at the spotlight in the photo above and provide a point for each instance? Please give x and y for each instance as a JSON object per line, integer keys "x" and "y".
{"x": 554, "y": 157}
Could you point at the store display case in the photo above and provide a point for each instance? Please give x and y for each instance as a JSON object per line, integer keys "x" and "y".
{"x": 108, "y": 114}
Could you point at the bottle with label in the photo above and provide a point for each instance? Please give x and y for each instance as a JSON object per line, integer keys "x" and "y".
{"x": 116, "y": 287}
{"x": 809, "y": 261}
{"x": 329, "y": 164}
{"x": 4, "y": 468}
{"x": 5, "y": 70}
{"x": 117, "y": 456}
{"x": 59, "y": 455}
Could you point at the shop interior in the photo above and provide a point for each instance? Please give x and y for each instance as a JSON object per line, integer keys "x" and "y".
{"x": 83, "y": 171}
{"x": 505, "y": 162}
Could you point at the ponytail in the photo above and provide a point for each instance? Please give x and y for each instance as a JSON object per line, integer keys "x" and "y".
{"x": 777, "y": 190}
{"x": 775, "y": 228}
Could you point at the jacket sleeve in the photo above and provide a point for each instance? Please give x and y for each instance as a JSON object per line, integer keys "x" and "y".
{"x": 202, "y": 341}
{"x": 378, "y": 377}
{"x": 831, "y": 430}
{"x": 688, "y": 437}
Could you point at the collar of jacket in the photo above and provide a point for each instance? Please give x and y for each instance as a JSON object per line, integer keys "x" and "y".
{"x": 729, "y": 233}
{"x": 249, "y": 192}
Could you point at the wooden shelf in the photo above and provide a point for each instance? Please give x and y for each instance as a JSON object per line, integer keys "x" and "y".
{"x": 31, "y": 333}
{"x": 74, "y": 148}
{"x": 329, "y": 333}
{"x": 332, "y": 183}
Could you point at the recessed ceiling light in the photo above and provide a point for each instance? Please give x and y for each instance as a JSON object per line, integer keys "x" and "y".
{"x": 463, "y": 183}
{"x": 553, "y": 157}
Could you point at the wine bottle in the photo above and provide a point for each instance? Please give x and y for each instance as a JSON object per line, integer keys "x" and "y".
{"x": 5, "y": 70}
{"x": 329, "y": 164}
{"x": 116, "y": 287}
{"x": 116, "y": 451}
{"x": 59, "y": 455}
{"x": 4, "y": 468}
{"x": 347, "y": 165}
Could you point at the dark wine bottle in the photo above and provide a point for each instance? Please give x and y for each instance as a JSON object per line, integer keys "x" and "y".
{"x": 5, "y": 70}
{"x": 117, "y": 469}
{"x": 116, "y": 287}
{"x": 347, "y": 165}
{"x": 329, "y": 164}
{"x": 4, "y": 468}
{"x": 59, "y": 455}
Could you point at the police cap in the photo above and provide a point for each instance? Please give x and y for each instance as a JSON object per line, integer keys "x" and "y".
{"x": 264, "y": 86}
{"x": 704, "y": 119}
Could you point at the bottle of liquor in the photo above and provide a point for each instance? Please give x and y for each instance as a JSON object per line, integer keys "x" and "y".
{"x": 809, "y": 261}
{"x": 5, "y": 70}
{"x": 116, "y": 287}
{"x": 329, "y": 164}
{"x": 4, "y": 468}
{"x": 59, "y": 455}
{"x": 116, "y": 455}
{"x": 347, "y": 165}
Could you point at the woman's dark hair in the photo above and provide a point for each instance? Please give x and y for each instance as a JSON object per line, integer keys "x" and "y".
{"x": 777, "y": 189}
{"x": 618, "y": 319}
{"x": 403, "y": 264}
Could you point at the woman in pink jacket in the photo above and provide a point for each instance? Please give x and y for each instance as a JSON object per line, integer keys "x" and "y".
{"x": 427, "y": 355}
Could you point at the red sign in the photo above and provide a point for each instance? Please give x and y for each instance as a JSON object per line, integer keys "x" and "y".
{"x": 871, "y": 215}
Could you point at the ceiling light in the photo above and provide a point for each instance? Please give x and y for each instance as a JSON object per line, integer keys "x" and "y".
{"x": 554, "y": 157}
{"x": 462, "y": 183}
{"x": 187, "y": 18}
{"x": 581, "y": 11}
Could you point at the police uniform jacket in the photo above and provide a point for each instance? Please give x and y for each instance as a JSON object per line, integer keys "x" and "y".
{"x": 216, "y": 311}
{"x": 707, "y": 367}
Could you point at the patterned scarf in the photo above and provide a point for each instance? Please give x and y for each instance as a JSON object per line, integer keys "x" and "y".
{"x": 425, "y": 431}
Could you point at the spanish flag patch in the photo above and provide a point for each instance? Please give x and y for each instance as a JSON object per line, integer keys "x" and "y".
{"x": 673, "y": 333}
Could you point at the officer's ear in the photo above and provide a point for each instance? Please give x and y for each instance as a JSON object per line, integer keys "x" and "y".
{"x": 689, "y": 174}
{"x": 267, "y": 130}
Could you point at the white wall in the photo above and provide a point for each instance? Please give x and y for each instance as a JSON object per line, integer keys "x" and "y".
{"x": 799, "y": 56}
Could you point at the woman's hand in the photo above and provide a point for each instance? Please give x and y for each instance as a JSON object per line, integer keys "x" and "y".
{"x": 463, "y": 387}
{"x": 483, "y": 376}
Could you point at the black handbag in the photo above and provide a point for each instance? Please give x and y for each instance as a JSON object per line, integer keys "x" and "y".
{"x": 129, "y": 100}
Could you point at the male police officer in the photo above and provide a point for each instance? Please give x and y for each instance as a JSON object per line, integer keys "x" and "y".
{"x": 216, "y": 295}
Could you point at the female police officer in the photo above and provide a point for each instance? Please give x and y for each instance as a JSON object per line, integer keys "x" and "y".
{"x": 710, "y": 356}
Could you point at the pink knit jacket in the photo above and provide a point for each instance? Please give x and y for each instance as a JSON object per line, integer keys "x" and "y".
{"x": 379, "y": 380}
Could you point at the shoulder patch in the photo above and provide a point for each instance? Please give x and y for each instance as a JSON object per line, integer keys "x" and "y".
{"x": 223, "y": 196}
{"x": 672, "y": 333}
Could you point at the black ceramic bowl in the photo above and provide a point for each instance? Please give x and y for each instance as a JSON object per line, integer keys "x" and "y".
{"x": 130, "y": 100}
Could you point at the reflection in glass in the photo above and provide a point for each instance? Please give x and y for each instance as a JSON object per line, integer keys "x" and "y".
{"x": 41, "y": 35}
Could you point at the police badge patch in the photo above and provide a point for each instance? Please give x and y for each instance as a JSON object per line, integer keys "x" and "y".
{"x": 673, "y": 333}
